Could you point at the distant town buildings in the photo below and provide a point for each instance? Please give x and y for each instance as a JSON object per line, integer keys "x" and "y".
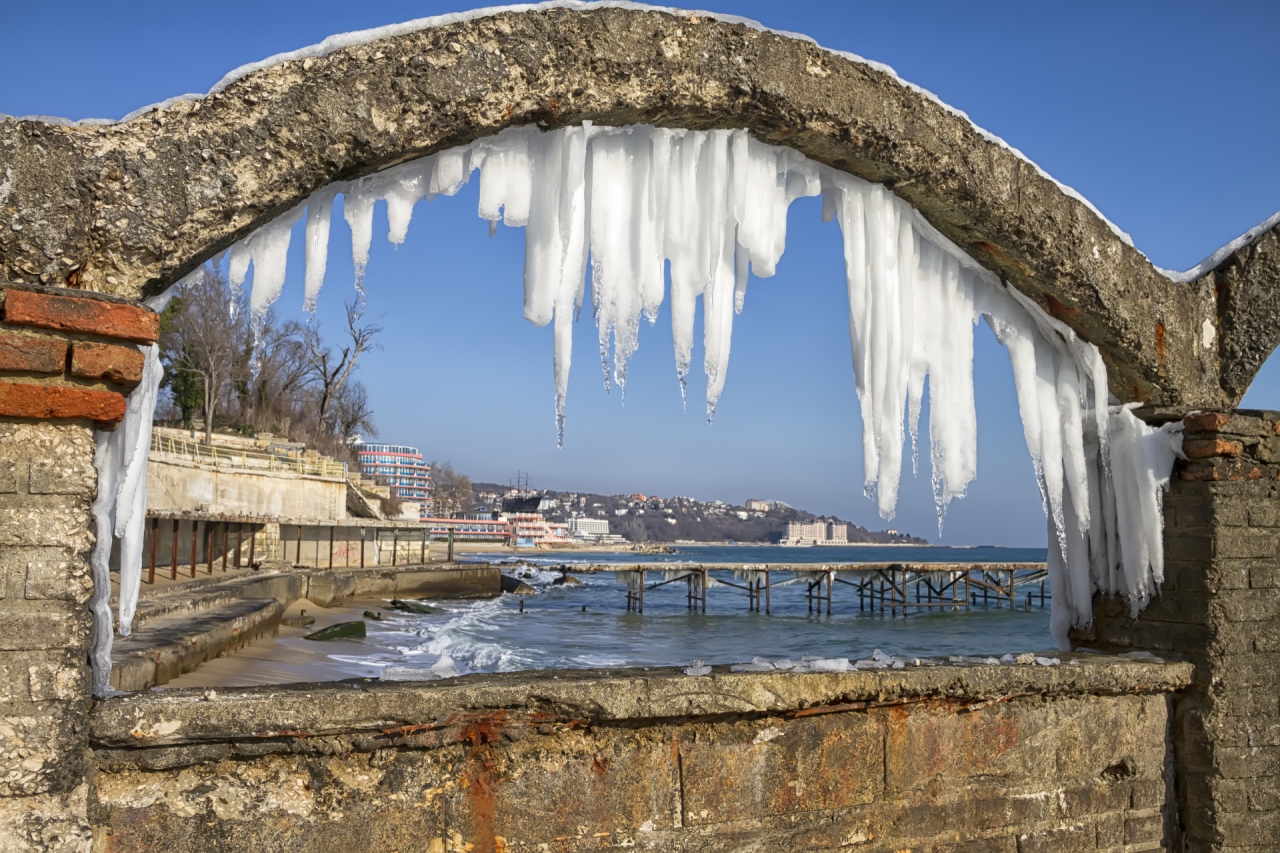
{"x": 399, "y": 467}
{"x": 765, "y": 506}
{"x": 817, "y": 532}
{"x": 595, "y": 530}
{"x": 482, "y": 529}
{"x": 531, "y": 529}
{"x": 584, "y": 527}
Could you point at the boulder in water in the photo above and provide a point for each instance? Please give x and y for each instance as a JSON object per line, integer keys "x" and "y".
{"x": 413, "y": 607}
{"x": 516, "y": 586}
{"x": 339, "y": 631}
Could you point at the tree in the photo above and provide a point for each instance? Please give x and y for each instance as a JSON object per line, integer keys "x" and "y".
{"x": 450, "y": 491}
{"x": 331, "y": 371}
{"x": 289, "y": 381}
{"x": 209, "y": 332}
{"x": 351, "y": 413}
{"x": 186, "y": 392}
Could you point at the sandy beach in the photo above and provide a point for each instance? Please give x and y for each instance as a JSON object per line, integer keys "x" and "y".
{"x": 287, "y": 658}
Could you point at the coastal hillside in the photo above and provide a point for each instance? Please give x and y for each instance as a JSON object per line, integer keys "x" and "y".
{"x": 649, "y": 518}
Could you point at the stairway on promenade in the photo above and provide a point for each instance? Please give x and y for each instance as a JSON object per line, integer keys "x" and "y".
{"x": 177, "y": 628}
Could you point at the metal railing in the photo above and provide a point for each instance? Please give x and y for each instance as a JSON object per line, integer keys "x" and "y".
{"x": 226, "y": 457}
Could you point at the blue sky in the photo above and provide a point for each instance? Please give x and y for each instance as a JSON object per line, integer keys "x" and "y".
{"x": 1161, "y": 114}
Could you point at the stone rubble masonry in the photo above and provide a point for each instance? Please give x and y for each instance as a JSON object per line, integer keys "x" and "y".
{"x": 47, "y": 485}
{"x": 1219, "y": 607}
{"x": 1015, "y": 759}
{"x": 65, "y": 357}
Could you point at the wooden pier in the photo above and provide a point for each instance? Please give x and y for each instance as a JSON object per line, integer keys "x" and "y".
{"x": 892, "y": 588}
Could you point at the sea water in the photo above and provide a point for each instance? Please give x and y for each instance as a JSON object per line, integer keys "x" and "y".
{"x": 588, "y": 626}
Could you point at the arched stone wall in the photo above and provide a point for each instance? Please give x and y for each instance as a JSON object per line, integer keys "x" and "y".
{"x": 129, "y": 208}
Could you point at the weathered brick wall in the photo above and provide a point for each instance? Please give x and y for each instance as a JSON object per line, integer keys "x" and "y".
{"x": 1220, "y": 608}
{"x": 989, "y": 758}
{"x": 68, "y": 355}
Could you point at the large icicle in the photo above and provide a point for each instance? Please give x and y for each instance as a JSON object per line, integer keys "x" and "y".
{"x": 119, "y": 512}
{"x": 714, "y": 204}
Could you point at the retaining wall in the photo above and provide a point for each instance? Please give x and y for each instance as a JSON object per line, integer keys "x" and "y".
{"x": 178, "y": 485}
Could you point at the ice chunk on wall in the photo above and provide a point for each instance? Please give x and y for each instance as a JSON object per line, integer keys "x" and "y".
{"x": 713, "y": 204}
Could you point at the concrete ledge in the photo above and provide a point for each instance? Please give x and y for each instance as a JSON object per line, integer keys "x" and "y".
{"x": 330, "y": 588}
{"x": 290, "y": 714}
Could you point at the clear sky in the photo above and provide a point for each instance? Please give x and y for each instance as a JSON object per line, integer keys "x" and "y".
{"x": 1163, "y": 114}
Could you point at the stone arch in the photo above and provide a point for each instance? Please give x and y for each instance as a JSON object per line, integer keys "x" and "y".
{"x": 129, "y": 208}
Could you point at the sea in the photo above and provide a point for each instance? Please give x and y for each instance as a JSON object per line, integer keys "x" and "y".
{"x": 587, "y": 626}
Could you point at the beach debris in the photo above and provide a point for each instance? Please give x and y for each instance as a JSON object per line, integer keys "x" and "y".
{"x": 412, "y": 607}
{"x": 698, "y": 668}
{"x": 1026, "y": 659}
{"x": 1008, "y": 659}
{"x": 339, "y": 631}
{"x": 298, "y": 621}
{"x": 376, "y": 617}
{"x": 758, "y": 664}
{"x": 1043, "y": 661}
{"x": 831, "y": 665}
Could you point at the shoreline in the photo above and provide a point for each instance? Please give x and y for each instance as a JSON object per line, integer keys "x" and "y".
{"x": 287, "y": 658}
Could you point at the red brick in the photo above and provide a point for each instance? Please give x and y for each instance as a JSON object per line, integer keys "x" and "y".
{"x": 1206, "y": 422}
{"x": 29, "y": 400}
{"x": 105, "y": 361}
{"x": 1203, "y": 448}
{"x": 76, "y": 314}
{"x": 36, "y": 355}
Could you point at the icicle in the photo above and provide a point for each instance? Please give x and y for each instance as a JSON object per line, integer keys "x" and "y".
{"x": 131, "y": 500}
{"x": 1142, "y": 458}
{"x": 107, "y": 461}
{"x": 357, "y": 209}
{"x": 714, "y": 204}
{"x": 119, "y": 511}
{"x": 319, "y": 214}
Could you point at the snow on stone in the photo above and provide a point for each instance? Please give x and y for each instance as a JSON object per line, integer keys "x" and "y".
{"x": 339, "y": 41}
{"x": 1212, "y": 262}
{"x": 714, "y": 205}
{"x": 119, "y": 512}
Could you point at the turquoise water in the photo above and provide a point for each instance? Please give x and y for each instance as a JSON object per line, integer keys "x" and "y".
{"x": 588, "y": 626}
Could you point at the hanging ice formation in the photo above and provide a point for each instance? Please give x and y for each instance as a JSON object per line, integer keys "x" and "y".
{"x": 714, "y": 204}
{"x": 119, "y": 512}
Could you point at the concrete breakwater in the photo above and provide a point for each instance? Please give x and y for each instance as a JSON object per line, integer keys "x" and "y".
{"x": 177, "y": 628}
